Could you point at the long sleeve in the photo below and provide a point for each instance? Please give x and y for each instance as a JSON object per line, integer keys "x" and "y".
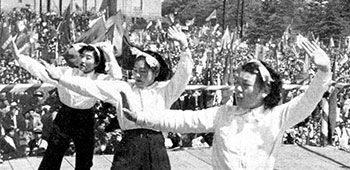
{"x": 104, "y": 90}
{"x": 115, "y": 70}
{"x": 300, "y": 107}
{"x": 37, "y": 69}
{"x": 180, "y": 121}
{"x": 177, "y": 84}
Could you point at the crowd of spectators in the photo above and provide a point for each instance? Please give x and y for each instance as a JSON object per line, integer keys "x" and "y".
{"x": 26, "y": 117}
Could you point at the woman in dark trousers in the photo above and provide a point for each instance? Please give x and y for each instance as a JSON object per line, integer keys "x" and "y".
{"x": 140, "y": 148}
{"x": 75, "y": 119}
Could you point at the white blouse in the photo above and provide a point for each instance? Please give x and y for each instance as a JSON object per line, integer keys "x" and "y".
{"x": 66, "y": 96}
{"x": 158, "y": 96}
{"x": 244, "y": 139}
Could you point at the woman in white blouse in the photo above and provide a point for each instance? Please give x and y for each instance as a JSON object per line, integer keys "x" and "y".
{"x": 248, "y": 134}
{"x": 141, "y": 148}
{"x": 75, "y": 119}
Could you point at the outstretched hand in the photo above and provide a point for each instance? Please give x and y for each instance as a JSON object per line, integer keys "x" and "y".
{"x": 319, "y": 56}
{"x": 177, "y": 35}
{"x": 130, "y": 115}
{"x": 51, "y": 71}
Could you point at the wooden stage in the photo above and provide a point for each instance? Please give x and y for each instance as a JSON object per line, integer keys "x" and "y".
{"x": 290, "y": 157}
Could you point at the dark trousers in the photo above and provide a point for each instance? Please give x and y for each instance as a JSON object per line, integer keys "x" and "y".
{"x": 141, "y": 149}
{"x": 70, "y": 124}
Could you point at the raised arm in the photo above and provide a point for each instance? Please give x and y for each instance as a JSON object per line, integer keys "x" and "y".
{"x": 300, "y": 107}
{"x": 113, "y": 68}
{"x": 179, "y": 81}
{"x": 34, "y": 67}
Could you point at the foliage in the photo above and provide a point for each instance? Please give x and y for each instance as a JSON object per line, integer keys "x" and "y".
{"x": 268, "y": 19}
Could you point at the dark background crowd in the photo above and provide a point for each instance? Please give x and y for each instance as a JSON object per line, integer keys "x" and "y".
{"x": 26, "y": 117}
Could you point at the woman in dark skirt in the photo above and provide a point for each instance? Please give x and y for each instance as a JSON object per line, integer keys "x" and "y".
{"x": 75, "y": 119}
{"x": 140, "y": 148}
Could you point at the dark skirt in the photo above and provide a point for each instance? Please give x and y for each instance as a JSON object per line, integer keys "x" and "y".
{"x": 141, "y": 149}
{"x": 70, "y": 124}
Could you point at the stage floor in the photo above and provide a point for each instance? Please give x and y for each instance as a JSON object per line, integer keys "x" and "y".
{"x": 290, "y": 157}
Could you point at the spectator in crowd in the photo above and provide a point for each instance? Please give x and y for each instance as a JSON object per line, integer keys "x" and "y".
{"x": 8, "y": 147}
{"x": 37, "y": 145}
{"x": 14, "y": 119}
{"x": 247, "y": 135}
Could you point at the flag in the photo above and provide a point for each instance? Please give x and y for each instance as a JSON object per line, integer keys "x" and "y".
{"x": 171, "y": 18}
{"x": 227, "y": 70}
{"x": 115, "y": 32}
{"x": 190, "y": 22}
{"x": 235, "y": 43}
{"x": 204, "y": 58}
{"x": 285, "y": 37}
{"x": 118, "y": 35}
{"x": 158, "y": 25}
{"x": 259, "y": 51}
{"x": 5, "y": 34}
{"x": 331, "y": 42}
{"x": 344, "y": 58}
{"x": 95, "y": 34}
{"x": 317, "y": 40}
{"x": 65, "y": 28}
{"x": 103, "y": 6}
{"x": 226, "y": 39}
{"x": 215, "y": 28}
{"x": 211, "y": 16}
{"x": 348, "y": 41}
{"x": 93, "y": 21}
{"x": 150, "y": 23}
{"x": 109, "y": 6}
{"x": 78, "y": 9}
{"x": 115, "y": 19}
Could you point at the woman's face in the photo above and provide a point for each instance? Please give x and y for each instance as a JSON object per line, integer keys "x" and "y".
{"x": 249, "y": 93}
{"x": 87, "y": 63}
{"x": 143, "y": 74}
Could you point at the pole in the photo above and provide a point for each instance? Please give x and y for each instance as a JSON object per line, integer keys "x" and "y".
{"x": 41, "y": 6}
{"x": 85, "y": 5}
{"x": 60, "y": 6}
{"x": 237, "y": 17}
{"x": 48, "y": 5}
{"x": 223, "y": 14}
{"x": 242, "y": 17}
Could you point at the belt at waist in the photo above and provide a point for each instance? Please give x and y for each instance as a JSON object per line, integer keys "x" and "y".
{"x": 65, "y": 107}
{"x": 140, "y": 131}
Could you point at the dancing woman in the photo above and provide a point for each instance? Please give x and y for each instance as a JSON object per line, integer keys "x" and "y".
{"x": 75, "y": 119}
{"x": 141, "y": 148}
{"x": 248, "y": 135}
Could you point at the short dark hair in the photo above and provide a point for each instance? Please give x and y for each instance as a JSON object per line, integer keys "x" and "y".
{"x": 100, "y": 59}
{"x": 274, "y": 97}
{"x": 164, "y": 70}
